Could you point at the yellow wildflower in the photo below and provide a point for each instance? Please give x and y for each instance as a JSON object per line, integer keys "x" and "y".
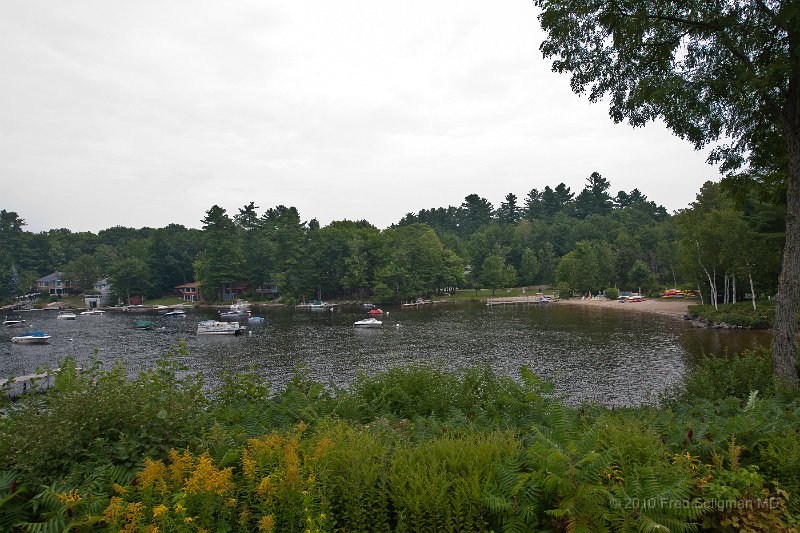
{"x": 265, "y": 444}
{"x": 249, "y": 466}
{"x": 68, "y": 498}
{"x": 613, "y": 473}
{"x": 152, "y": 473}
{"x": 113, "y": 510}
{"x": 301, "y": 427}
{"x": 322, "y": 446}
{"x": 133, "y": 513}
{"x": 207, "y": 478}
{"x": 267, "y": 523}
{"x": 181, "y": 465}
{"x": 160, "y": 510}
{"x": 151, "y": 529}
{"x": 230, "y": 502}
{"x": 119, "y": 489}
{"x": 687, "y": 459}
{"x": 188, "y": 519}
{"x": 180, "y": 508}
{"x": 265, "y": 488}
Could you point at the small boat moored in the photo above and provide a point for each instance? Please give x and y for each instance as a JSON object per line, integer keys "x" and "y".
{"x": 93, "y": 312}
{"x": 143, "y": 325}
{"x": 175, "y": 312}
{"x": 368, "y": 323}
{"x": 32, "y": 337}
{"x": 66, "y": 315}
{"x": 215, "y": 327}
{"x": 375, "y": 312}
{"x": 13, "y": 320}
{"x": 315, "y": 305}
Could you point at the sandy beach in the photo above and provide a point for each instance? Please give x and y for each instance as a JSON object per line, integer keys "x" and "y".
{"x": 671, "y": 308}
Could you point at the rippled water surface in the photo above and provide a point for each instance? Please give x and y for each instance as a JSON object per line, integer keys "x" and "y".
{"x": 602, "y": 355}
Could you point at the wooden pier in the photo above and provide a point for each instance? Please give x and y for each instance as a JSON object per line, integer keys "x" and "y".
{"x": 519, "y": 300}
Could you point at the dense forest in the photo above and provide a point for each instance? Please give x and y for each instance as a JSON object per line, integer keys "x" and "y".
{"x": 727, "y": 244}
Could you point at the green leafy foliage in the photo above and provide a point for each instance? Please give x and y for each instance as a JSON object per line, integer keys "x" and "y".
{"x": 409, "y": 449}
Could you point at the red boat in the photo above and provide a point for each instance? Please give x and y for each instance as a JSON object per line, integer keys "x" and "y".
{"x": 374, "y": 312}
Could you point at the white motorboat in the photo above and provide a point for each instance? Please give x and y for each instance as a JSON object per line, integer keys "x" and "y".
{"x": 66, "y": 315}
{"x": 32, "y": 337}
{"x": 316, "y": 305}
{"x": 235, "y": 314}
{"x": 368, "y": 323}
{"x": 215, "y": 327}
{"x": 13, "y": 320}
{"x": 175, "y": 312}
{"x": 93, "y": 312}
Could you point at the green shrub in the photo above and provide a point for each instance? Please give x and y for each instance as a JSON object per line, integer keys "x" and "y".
{"x": 717, "y": 377}
{"x": 409, "y": 449}
{"x": 612, "y": 293}
{"x": 440, "y": 485}
{"x": 477, "y": 394}
{"x": 98, "y": 417}
{"x": 738, "y": 314}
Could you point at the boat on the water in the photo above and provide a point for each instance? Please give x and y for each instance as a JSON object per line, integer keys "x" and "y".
{"x": 66, "y": 315}
{"x": 233, "y": 314}
{"x": 255, "y": 319}
{"x": 315, "y": 305}
{"x": 375, "y": 312}
{"x": 32, "y": 337}
{"x": 93, "y": 312}
{"x": 215, "y": 327}
{"x": 175, "y": 312}
{"x": 144, "y": 324}
{"x": 13, "y": 320}
{"x": 368, "y": 323}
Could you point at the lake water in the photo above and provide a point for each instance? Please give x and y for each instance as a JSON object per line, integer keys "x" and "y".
{"x": 601, "y": 355}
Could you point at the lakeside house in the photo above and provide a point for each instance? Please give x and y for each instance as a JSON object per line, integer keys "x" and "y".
{"x": 189, "y": 292}
{"x": 269, "y": 289}
{"x": 100, "y": 296}
{"x": 54, "y": 285}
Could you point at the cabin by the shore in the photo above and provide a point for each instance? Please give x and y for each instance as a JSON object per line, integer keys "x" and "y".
{"x": 189, "y": 292}
{"x": 54, "y": 285}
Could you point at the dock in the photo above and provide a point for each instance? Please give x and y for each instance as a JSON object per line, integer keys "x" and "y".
{"x": 518, "y": 300}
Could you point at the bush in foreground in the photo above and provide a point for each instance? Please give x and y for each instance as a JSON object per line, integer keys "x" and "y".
{"x": 411, "y": 449}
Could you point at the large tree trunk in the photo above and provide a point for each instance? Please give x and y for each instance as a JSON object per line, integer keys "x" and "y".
{"x": 784, "y": 330}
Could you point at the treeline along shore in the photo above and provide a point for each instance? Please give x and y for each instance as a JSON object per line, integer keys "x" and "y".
{"x": 581, "y": 243}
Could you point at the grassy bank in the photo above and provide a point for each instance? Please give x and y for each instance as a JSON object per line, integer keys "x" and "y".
{"x": 738, "y": 314}
{"x": 409, "y": 449}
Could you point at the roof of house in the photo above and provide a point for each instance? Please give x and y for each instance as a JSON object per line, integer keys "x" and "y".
{"x": 192, "y": 285}
{"x": 55, "y": 276}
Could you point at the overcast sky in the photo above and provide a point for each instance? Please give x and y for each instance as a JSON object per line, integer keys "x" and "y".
{"x": 144, "y": 113}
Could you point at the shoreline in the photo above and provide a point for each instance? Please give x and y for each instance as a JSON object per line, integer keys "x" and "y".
{"x": 674, "y": 308}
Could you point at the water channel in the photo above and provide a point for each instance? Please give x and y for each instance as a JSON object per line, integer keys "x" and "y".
{"x": 601, "y": 355}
